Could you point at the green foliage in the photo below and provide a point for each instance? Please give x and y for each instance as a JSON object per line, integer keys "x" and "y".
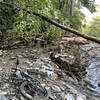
{"x": 20, "y": 24}
{"x": 94, "y": 27}
{"x": 90, "y": 4}
{"x": 77, "y": 20}
{"x": 6, "y": 17}
{"x": 30, "y": 27}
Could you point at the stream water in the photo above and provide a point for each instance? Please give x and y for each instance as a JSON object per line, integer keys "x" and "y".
{"x": 93, "y": 70}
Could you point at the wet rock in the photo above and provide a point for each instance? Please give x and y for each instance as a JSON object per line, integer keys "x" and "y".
{"x": 55, "y": 88}
{"x": 69, "y": 97}
{"x": 2, "y": 97}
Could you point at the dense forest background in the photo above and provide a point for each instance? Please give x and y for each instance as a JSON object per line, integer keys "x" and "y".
{"x": 16, "y": 23}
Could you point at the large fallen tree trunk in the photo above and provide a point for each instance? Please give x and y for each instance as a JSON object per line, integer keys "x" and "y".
{"x": 91, "y": 38}
{"x": 94, "y": 39}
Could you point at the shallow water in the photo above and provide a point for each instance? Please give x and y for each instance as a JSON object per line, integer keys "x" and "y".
{"x": 93, "y": 71}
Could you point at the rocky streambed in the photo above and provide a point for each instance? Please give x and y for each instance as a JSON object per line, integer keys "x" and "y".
{"x": 59, "y": 85}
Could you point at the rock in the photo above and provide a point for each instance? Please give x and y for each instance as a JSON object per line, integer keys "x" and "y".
{"x": 2, "y": 97}
{"x": 62, "y": 88}
{"x": 43, "y": 85}
{"x": 14, "y": 98}
{"x": 48, "y": 88}
{"x": 12, "y": 58}
{"x": 29, "y": 63}
{"x": 55, "y": 88}
{"x": 81, "y": 97}
{"x": 99, "y": 84}
{"x": 55, "y": 96}
{"x": 3, "y": 93}
{"x": 1, "y": 53}
{"x": 22, "y": 98}
{"x": 18, "y": 74}
{"x": 69, "y": 97}
{"x": 52, "y": 97}
{"x": 53, "y": 76}
{"x": 58, "y": 96}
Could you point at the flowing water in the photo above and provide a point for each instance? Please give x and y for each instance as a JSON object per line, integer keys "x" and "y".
{"x": 93, "y": 70}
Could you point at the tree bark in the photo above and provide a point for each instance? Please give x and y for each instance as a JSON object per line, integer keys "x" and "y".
{"x": 72, "y": 7}
{"x": 94, "y": 39}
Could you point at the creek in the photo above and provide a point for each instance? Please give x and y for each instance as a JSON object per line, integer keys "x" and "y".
{"x": 93, "y": 70}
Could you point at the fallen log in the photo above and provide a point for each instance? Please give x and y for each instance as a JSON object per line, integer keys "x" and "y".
{"x": 91, "y": 38}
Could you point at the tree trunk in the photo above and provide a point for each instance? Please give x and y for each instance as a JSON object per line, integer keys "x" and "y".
{"x": 72, "y": 7}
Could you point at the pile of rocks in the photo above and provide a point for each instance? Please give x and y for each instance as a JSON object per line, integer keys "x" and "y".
{"x": 51, "y": 77}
